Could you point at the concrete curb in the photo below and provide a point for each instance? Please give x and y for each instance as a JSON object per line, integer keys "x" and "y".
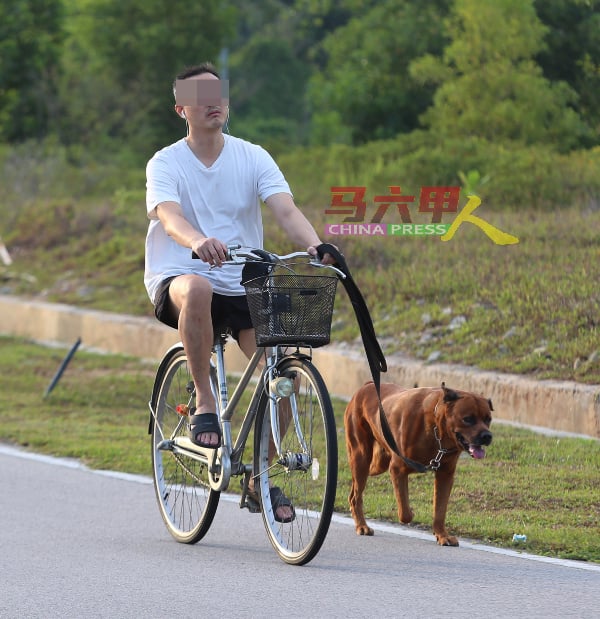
{"x": 557, "y": 405}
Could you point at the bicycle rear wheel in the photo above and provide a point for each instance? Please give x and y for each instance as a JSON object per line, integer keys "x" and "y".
{"x": 306, "y": 474}
{"x": 186, "y": 501}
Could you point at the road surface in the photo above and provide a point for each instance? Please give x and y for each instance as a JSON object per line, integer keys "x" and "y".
{"x": 78, "y": 543}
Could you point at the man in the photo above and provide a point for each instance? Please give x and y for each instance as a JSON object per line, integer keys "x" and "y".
{"x": 202, "y": 195}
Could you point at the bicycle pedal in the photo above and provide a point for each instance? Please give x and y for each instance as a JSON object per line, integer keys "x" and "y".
{"x": 165, "y": 445}
{"x": 247, "y": 501}
{"x": 251, "y": 506}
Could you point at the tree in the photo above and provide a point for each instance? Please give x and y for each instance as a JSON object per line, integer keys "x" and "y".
{"x": 267, "y": 92}
{"x": 572, "y": 52}
{"x": 365, "y": 91}
{"x": 489, "y": 83}
{"x": 31, "y": 32}
{"x": 273, "y": 56}
{"x": 120, "y": 61}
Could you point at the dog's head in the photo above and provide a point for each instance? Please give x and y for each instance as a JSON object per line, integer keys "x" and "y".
{"x": 468, "y": 418}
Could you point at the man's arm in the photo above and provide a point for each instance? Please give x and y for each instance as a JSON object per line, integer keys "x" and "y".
{"x": 171, "y": 216}
{"x": 292, "y": 220}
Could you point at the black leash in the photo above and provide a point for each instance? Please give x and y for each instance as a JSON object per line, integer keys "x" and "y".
{"x": 375, "y": 356}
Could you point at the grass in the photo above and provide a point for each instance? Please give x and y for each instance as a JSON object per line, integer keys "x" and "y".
{"x": 529, "y": 308}
{"x": 544, "y": 487}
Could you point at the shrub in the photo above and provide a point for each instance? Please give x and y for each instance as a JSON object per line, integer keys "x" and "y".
{"x": 519, "y": 177}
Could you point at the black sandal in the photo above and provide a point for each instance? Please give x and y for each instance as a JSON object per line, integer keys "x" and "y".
{"x": 204, "y": 423}
{"x": 278, "y": 499}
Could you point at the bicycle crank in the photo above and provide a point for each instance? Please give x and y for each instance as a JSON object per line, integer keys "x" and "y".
{"x": 217, "y": 461}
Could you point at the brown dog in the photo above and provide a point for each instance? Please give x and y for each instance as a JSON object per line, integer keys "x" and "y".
{"x": 430, "y": 426}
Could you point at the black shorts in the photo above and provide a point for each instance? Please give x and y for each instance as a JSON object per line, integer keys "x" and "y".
{"x": 229, "y": 314}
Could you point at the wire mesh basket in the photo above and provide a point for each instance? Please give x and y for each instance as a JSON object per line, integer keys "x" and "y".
{"x": 291, "y": 309}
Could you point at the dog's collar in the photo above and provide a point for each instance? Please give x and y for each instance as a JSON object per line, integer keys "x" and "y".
{"x": 435, "y": 463}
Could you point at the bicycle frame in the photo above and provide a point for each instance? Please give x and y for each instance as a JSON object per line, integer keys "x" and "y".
{"x": 226, "y": 461}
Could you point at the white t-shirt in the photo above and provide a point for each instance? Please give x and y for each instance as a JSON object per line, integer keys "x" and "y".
{"x": 221, "y": 201}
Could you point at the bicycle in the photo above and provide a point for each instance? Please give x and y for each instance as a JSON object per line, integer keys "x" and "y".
{"x": 290, "y": 412}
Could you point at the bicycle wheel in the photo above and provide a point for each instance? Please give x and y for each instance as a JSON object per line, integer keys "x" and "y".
{"x": 306, "y": 474}
{"x": 187, "y": 502}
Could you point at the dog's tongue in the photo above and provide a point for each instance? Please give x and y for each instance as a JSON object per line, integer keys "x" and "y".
{"x": 477, "y": 452}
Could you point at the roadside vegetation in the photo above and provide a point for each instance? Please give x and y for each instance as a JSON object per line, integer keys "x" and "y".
{"x": 539, "y": 486}
{"x": 530, "y": 308}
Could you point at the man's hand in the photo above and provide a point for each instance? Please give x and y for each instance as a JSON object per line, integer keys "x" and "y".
{"x": 327, "y": 258}
{"x": 210, "y": 250}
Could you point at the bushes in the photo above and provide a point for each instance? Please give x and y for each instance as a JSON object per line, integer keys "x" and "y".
{"x": 520, "y": 177}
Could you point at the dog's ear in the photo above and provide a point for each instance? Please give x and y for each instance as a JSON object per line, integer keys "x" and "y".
{"x": 449, "y": 394}
{"x": 490, "y": 403}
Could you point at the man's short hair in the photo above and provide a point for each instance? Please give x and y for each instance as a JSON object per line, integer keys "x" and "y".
{"x": 198, "y": 69}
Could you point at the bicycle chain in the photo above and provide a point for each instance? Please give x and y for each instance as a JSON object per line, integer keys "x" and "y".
{"x": 188, "y": 471}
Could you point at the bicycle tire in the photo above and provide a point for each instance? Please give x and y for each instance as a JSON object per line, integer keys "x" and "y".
{"x": 311, "y": 491}
{"x": 187, "y": 502}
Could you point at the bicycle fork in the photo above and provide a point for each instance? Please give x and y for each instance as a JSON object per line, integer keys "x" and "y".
{"x": 283, "y": 403}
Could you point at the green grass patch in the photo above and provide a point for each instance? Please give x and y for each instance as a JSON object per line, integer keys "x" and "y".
{"x": 544, "y": 487}
{"x": 97, "y": 413}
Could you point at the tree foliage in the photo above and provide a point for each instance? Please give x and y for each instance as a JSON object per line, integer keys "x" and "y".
{"x": 489, "y": 84}
{"x": 572, "y": 51}
{"x": 31, "y": 32}
{"x": 276, "y": 50}
{"x": 97, "y": 73}
{"x": 365, "y": 91}
{"x": 121, "y": 59}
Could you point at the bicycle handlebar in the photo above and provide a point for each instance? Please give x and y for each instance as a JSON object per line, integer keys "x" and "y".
{"x": 238, "y": 255}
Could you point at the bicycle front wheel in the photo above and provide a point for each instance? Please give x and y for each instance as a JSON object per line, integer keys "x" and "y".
{"x": 186, "y": 501}
{"x": 305, "y": 471}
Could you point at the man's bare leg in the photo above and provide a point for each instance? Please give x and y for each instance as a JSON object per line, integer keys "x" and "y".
{"x": 192, "y": 296}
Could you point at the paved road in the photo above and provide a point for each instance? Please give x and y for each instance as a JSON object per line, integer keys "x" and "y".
{"x": 76, "y": 543}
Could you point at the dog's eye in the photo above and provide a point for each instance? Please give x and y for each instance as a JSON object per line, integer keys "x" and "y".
{"x": 487, "y": 421}
{"x": 469, "y": 421}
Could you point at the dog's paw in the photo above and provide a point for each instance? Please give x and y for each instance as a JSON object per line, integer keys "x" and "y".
{"x": 446, "y": 540}
{"x": 406, "y": 518}
{"x": 364, "y": 530}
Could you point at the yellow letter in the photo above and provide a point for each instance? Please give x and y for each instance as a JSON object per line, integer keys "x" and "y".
{"x": 499, "y": 237}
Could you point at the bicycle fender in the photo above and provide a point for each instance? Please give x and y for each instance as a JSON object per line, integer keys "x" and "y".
{"x": 295, "y": 355}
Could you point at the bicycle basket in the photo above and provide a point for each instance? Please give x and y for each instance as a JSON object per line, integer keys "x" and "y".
{"x": 291, "y": 309}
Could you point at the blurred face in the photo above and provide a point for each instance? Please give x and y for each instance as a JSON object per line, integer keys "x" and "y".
{"x": 204, "y": 99}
